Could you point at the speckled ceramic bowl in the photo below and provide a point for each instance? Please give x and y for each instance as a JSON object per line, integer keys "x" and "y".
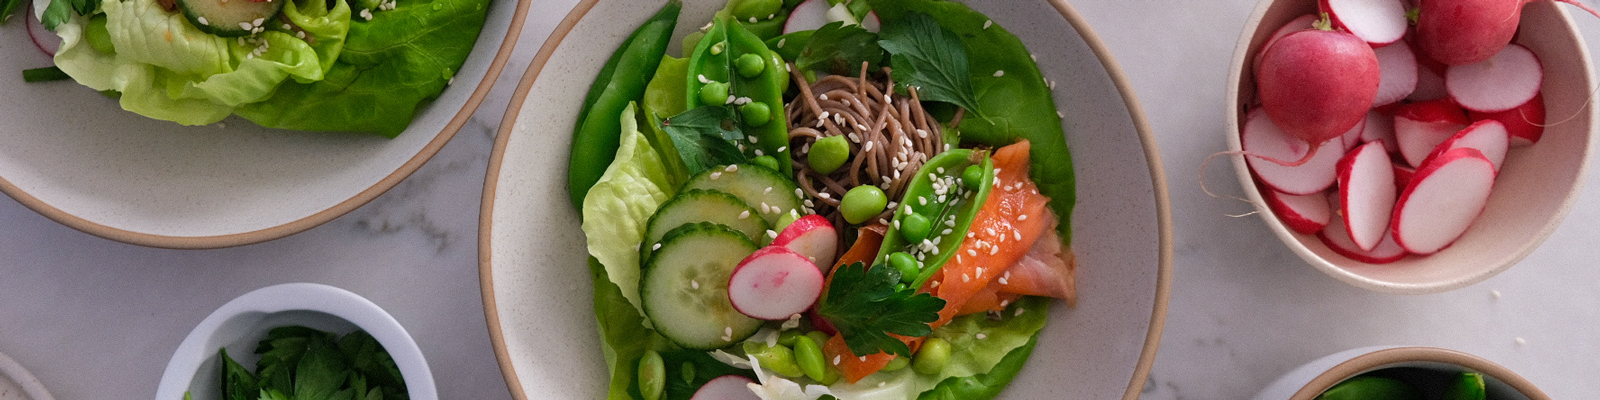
{"x": 1532, "y": 193}
{"x": 76, "y": 157}
{"x": 1312, "y": 378}
{"x": 537, "y": 292}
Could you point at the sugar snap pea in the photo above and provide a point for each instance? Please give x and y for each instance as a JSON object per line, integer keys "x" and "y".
{"x": 938, "y": 196}
{"x": 713, "y": 66}
{"x": 596, "y": 137}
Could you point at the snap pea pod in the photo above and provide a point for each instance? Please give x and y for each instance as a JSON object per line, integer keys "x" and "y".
{"x": 933, "y": 217}
{"x": 622, "y": 80}
{"x": 765, "y": 18}
{"x": 733, "y": 65}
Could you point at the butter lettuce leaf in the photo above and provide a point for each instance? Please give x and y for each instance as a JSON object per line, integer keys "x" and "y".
{"x": 618, "y": 207}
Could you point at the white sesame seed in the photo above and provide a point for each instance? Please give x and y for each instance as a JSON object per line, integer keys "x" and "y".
{"x": 823, "y": 96}
{"x": 965, "y": 278}
{"x": 972, "y": 252}
{"x": 993, "y": 250}
{"x": 203, "y": 21}
{"x": 971, "y": 234}
{"x": 835, "y": 360}
{"x": 782, "y": 41}
{"x": 946, "y": 232}
{"x": 1017, "y": 233}
{"x": 1059, "y": 114}
{"x": 1023, "y": 217}
{"x": 1035, "y": 57}
{"x": 715, "y": 175}
{"x": 772, "y": 234}
{"x": 753, "y": 139}
{"x": 1018, "y": 313}
{"x": 987, "y": 23}
{"x": 702, "y": 78}
{"x": 694, "y": 284}
{"x": 782, "y": 148}
{"x": 744, "y": 214}
{"x": 287, "y": 27}
{"x": 727, "y": 330}
{"x": 657, "y": 246}
{"x": 923, "y": 200}
{"x": 980, "y": 272}
{"x": 824, "y": 195}
{"x": 981, "y": 336}
{"x": 766, "y": 191}
{"x": 247, "y": 26}
{"x": 998, "y": 74}
{"x": 863, "y": 358}
{"x": 753, "y": 20}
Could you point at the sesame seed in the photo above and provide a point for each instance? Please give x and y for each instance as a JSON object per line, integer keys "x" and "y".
{"x": 727, "y": 330}
{"x": 753, "y": 139}
{"x": 203, "y": 21}
{"x": 734, "y": 167}
{"x": 971, "y": 234}
{"x": 702, "y": 78}
{"x": 824, "y": 195}
{"x": 782, "y": 41}
{"x": 993, "y": 250}
{"x": 823, "y": 96}
{"x": 987, "y": 23}
{"x": 715, "y": 175}
{"x": 867, "y": 147}
{"x": 1017, "y": 233}
{"x": 1059, "y": 114}
{"x": 1003, "y": 280}
{"x": 247, "y": 26}
{"x": 799, "y": 193}
{"x": 1035, "y": 57}
{"x": 744, "y": 214}
{"x": 998, "y": 74}
{"x": 782, "y": 148}
{"x": 753, "y": 20}
{"x": 1023, "y": 217}
{"x": 965, "y": 278}
{"x": 1019, "y": 312}
{"x": 657, "y": 246}
{"x": 946, "y": 232}
{"x": 972, "y": 252}
{"x": 772, "y": 234}
{"x": 981, "y": 336}
{"x": 863, "y": 358}
{"x": 694, "y": 284}
{"x": 835, "y": 360}
{"x": 854, "y": 137}
{"x": 767, "y": 191}
{"x": 923, "y": 200}
{"x": 287, "y": 27}
{"x": 980, "y": 272}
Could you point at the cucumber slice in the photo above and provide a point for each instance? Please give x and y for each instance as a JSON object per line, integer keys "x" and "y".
{"x": 230, "y": 18}
{"x": 700, "y": 205}
{"x": 685, "y": 286}
{"x": 766, "y": 190}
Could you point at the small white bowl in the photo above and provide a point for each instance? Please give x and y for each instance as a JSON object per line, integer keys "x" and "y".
{"x": 245, "y": 320}
{"x": 1312, "y": 378}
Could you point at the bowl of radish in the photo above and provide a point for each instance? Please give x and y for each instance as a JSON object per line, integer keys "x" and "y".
{"x": 1411, "y": 157}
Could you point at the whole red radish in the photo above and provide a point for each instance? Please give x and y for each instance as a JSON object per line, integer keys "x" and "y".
{"x": 1457, "y": 32}
{"x": 1316, "y": 84}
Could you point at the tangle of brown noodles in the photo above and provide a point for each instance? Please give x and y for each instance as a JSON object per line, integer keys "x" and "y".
{"x": 890, "y": 138}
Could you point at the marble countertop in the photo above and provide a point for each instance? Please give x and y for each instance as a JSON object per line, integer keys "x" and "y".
{"x": 97, "y": 319}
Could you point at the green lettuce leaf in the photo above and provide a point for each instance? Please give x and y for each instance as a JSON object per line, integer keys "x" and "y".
{"x": 618, "y": 207}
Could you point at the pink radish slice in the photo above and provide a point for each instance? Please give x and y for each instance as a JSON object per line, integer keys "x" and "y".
{"x": 726, "y": 387}
{"x": 1366, "y": 193}
{"x": 1503, "y": 82}
{"x": 1443, "y": 199}
{"x": 813, "y": 237}
{"x": 1306, "y": 214}
{"x": 46, "y": 41}
{"x": 870, "y": 22}
{"x": 1398, "y": 67}
{"x": 1525, "y": 123}
{"x": 1295, "y": 25}
{"x": 1487, "y": 136}
{"x": 809, "y": 15}
{"x": 1402, "y": 176}
{"x": 1430, "y": 84}
{"x": 1379, "y": 127}
{"x": 1316, "y": 84}
{"x": 774, "y": 283}
{"x": 1338, "y": 240}
{"x": 1379, "y": 22}
{"x": 1261, "y": 136}
{"x": 1352, "y": 137}
{"x": 1419, "y": 127}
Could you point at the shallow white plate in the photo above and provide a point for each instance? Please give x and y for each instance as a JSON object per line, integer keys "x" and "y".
{"x": 245, "y": 320}
{"x": 537, "y": 289}
{"x": 16, "y": 383}
{"x": 78, "y": 158}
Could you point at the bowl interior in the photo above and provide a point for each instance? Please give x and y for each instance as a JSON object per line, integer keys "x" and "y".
{"x": 1534, "y": 190}
{"x": 75, "y": 156}
{"x": 538, "y": 294}
{"x": 241, "y": 333}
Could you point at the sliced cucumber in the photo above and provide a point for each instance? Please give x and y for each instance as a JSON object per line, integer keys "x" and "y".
{"x": 766, "y": 190}
{"x": 701, "y": 205}
{"x": 230, "y": 18}
{"x": 685, "y": 286}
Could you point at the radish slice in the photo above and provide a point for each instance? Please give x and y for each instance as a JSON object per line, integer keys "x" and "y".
{"x": 1307, "y": 213}
{"x": 1298, "y": 24}
{"x": 1420, "y": 127}
{"x": 1443, "y": 199}
{"x": 1430, "y": 84}
{"x": 813, "y": 237}
{"x": 870, "y": 22}
{"x": 1487, "y": 136}
{"x": 809, "y": 15}
{"x": 1338, "y": 240}
{"x": 1402, "y": 176}
{"x": 1366, "y": 193}
{"x": 1379, "y": 22}
{"x": 774, "y": 283}
{"x": 727, "y": 387}
{"x": 1503, "y": 82}
{"x": 46, "y": 41}
{"x": 1397, "y": 67}
{"x": 1525, "y": 123}
{"x": 1378, "y": 127}
{"x": 1352, "y": 137}
{"x": 1262, "y": 137}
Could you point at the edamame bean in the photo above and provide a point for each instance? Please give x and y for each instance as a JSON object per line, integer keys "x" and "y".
{"x": 830, "y": 374}
{"x": 907, "y": 266}
{"x": 915, "y": 227}
{"x": 652, "y": 375}
{"x": 787, "y": 337}
{"x": 749, "y": 65}
{"x": 785, "y": 220}
{"x": 932, "y": 357}
{"x": 898, "y": 363}
{"x": 862, "y": 203}
{"x": 755, "y": 114}
{"x": 778, "y": 359}
{"x": 809, "y": 355}
{"x": 819, "y": 337}
{"x": 766, "y": 161}
{"x": 714, "y": 93}
{"x": 828, "y": 154}
{"x": 743, "y": 10}
{"x": 972, "y": 177}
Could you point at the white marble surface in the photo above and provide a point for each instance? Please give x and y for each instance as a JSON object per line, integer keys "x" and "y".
{"x": 96, "y": 319}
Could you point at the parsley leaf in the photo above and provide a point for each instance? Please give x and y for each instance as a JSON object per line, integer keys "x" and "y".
{"x": 864, "y": 305}
{"x": 704, "y": 137}
{"x": 930, "y": 58}
{"x": 60, "y": 11}
{"x": 840, "y": 49}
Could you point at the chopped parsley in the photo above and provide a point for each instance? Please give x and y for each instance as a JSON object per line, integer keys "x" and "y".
{"x": 866, "y": 308}
{"x": 705, "y": 137}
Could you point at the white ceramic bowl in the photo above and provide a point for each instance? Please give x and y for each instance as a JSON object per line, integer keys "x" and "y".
{"x": 76, "y": 157}
{"x": 1532, "y": 194}
{"x": 244, "y": 321}
{"x": 537, "y": 290}
{"x": 1312, "y": 378}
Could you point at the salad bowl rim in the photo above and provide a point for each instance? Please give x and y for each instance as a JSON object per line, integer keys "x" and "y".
{"x": 389, "y": 181}
{"x": 1103, "y": 54}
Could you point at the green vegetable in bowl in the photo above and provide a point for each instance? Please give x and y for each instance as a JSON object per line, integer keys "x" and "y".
{"x": 307, "y": 364}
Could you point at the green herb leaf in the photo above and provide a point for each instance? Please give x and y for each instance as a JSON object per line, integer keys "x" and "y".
{"x": 321, "y": 371}
{"x": 704, "y": 137}
{"x": 58, "y": 12}
{"x": 237, "y": 382}
{"x": 45, "y": 74}
{"x": 930, "y": 58}
{"x": 840, "y": 49}
{"x": 864, "y": 305}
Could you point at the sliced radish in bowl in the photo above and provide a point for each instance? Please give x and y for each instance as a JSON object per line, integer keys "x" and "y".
{"x": 774, "y": 283}
{"x": 1503, "y": 82}
{"x": 1420, "y": 127}
{"x": 1262, "y": 137}
{"x": 1307, "y": 213}
{"x": 726, "y": 387}
{"x": 1442, "y": 201}
{"x": 813, "y": 237}
{"x": 1487, "y": 136}
{"x": 1379, "y": 22}
{"x": 1366, "y": 193}
{"x": 1525, "y": 123}
{"x": 1338, "y": 239}
{"x": 1397, "y": 68}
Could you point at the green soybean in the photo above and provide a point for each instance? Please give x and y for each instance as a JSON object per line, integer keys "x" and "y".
{"x": 862, "y": 203}
{"x": 766, "y": 161}
{"x": 932, "y": 357}
{"x": 756, "y": 114}
{"x": 809, "y": 355}
{"x": 915, "y": 227}
{"x": 749, "y": 65}
{"x": 778, "y": 359}
{"x": 972, "y": 176}
{"x": 898, "y": 363}
{"x": 652, "y": 375}
{"x": 787, "y": 337}
{"x": 714, "y": 93}
{"x": 906, "y": 264}
{"x": 828, "y": 154}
